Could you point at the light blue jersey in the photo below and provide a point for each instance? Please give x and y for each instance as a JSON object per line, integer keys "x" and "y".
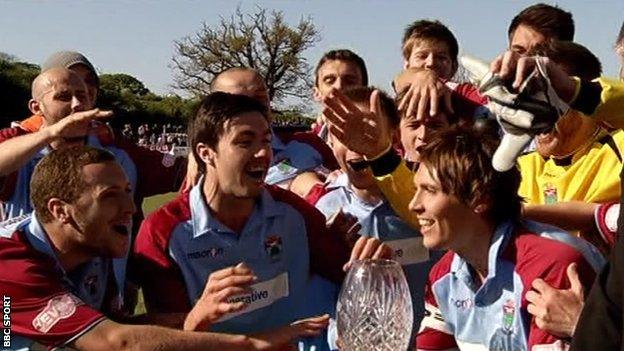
{"x": 291, "y": 159}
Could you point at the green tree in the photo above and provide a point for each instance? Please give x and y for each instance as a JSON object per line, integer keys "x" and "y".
{"x": 260, "y": 40}
{"x": 15, "y": 80}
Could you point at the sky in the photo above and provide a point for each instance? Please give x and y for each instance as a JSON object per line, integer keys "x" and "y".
{"x": 136, "y": 37}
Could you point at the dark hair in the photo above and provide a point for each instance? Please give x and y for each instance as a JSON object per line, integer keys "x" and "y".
{"x": 620, "y": 38}
{"x": 574, "y": 59}
{"x": 342, "y": 55}
{"x": 429, "y": 30}
{"x": 214, "y": 111}
{"x": 550, "y": 21}
{"x": 59, "y": 175}
{"x": 460, "y": 158}
{"x": 361, "y": 95}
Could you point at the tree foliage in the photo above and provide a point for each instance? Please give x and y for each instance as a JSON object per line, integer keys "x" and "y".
{"x": 260, "y": 40}
{"x": 15, "y": 80}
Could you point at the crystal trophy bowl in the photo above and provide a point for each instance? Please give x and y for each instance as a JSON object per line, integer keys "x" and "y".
{"x": 374, "y": 310}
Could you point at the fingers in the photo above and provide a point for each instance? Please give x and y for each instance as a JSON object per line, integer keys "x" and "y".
{"x": 375, "y": 103}
{"x": 495, "y": 66}
{"x": 405, "y": 100}
{"x": 422, "y": 105}
{"x": 347, "y": 104}
{"x": 575, "y": 281}
{"x": 230, "y": 307}
{"x": 333, "y": 118}
{"x": 383, "y": 252}
{"x": 523, "y": 68}
{"x": 91, "y": 114}
{"x": 413, "y": 102}
{"x": 239, "y": 269}
{"x": 541, "y": 286}
{"x": 433, "y": 101}
{"x": 533, "y": 297}
{"x": 508, "y": 66}
{"x": 536, "y": 311}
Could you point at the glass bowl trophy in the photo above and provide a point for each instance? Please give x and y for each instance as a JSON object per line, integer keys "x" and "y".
{"x": 374, "y": 310}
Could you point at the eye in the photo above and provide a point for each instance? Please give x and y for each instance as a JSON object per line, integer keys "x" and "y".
{"x": 329, "y": 80}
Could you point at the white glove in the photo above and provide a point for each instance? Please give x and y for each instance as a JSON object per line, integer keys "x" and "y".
{"x": 533, "y": 110}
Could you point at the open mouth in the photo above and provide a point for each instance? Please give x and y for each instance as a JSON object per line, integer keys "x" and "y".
{"x": 257, "y": 174}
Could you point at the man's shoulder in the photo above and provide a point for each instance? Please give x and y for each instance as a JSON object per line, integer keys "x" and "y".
{"x": 538, "y": 251}
{"x": 22, "y": 264}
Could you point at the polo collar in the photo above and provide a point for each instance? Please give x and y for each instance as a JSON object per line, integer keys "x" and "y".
{"x": 203, "y": 221}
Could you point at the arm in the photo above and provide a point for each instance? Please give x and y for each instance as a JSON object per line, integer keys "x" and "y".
{"x": 569, "y": 215}
{"x": 16, "y": 152}
{"x": 108, "y": 335}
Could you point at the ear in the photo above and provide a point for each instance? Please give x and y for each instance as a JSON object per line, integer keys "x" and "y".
{"x": 59, "y": 211}
{"x": 35, "y": 107}
{"x": 482, "y": 206}
{"x": 206, "y": 154}
{"x": 405, "y": 64}
{"x": 316, "y": 93}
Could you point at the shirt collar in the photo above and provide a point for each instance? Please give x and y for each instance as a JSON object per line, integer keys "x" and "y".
{"x": 203, "y": 221}
{"x": 92, "y": 140}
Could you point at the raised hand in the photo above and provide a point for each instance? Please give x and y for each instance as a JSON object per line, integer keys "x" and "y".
{"x": 365, "y": 132}
{"x": 423, "y": 91}
{"x": 214, "y": 301}
{"x": 77, "y": 124}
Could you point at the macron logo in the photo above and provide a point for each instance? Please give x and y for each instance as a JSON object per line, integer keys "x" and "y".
{"x": 211, "y": 253}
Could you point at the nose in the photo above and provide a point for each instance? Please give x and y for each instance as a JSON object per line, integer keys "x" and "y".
{"x": 129, "y": 205}
{"x": 338, "y": 84}
{"x": 264, "y": 151}
{"x": 430, "y": 61}
{"x": 78, "y": 104}
{"x": 415, "y": 204}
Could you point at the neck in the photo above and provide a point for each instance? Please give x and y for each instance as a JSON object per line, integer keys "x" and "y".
{"x": 476, "y": 248}
{"x": 232, "y": 211}
{"x": 62, "y": 239}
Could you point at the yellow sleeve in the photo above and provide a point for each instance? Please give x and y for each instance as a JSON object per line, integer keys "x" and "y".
{"x": 609, "y": 109}
{"x": 398, "y": 188}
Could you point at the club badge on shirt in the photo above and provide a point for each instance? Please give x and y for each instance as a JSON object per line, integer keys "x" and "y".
{"x": 550, "y": 194}
{"x": 273, "y": 247}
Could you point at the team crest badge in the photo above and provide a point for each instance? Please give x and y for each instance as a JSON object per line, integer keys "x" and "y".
{"x": 550, "y": 194}
{"x": 509, "y": 309}
{"x": 273, "y": 247}
{"x": 168, "y": 160}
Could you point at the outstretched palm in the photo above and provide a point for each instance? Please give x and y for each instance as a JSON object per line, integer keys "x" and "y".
{"x": 365, "y": 132}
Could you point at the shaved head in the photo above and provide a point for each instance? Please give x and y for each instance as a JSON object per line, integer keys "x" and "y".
{"x": 45, "y": 82}
{"x": 242, "y": 81}
{"x": 57, "y": 93}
